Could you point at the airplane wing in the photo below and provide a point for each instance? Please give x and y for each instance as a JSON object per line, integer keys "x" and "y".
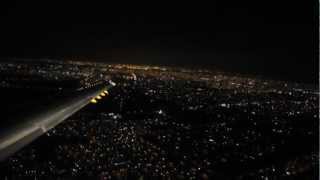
{"x": 15, "y": 137}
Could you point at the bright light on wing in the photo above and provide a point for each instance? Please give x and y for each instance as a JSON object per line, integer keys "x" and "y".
{"x": 99, "y": 97}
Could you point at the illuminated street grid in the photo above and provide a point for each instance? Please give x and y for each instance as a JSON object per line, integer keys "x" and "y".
{"x": 164, "y": 122}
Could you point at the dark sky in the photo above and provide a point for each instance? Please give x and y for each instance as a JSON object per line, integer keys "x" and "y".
{"x": 275, "y": 39}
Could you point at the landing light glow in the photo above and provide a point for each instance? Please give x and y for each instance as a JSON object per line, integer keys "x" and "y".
{"x": 99, "y": 97}
{"x": 94, "y": 101}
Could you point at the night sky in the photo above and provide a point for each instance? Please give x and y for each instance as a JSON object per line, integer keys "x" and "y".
{"x": 274, "y": 39}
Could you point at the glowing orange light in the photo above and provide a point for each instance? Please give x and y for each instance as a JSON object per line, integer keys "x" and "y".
{"x": 102, "y": 94}
{"x": 105, "y": 91}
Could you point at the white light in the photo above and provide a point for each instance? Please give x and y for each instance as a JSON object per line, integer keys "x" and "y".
{"x": 112, "y": 83}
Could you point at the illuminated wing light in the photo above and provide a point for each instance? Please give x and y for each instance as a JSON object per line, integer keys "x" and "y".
{"x": 105, "y": 91}
{"x": 94, "y": 101}
{"x": 102, "y": 94}
{"x": 99, "y": 97}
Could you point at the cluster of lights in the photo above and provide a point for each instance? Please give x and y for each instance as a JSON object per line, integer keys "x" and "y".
{"x": 102, "y": 94}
